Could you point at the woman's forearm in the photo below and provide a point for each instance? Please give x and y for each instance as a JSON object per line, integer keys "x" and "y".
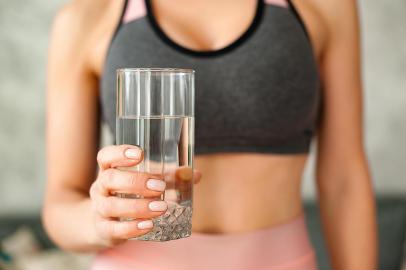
{"x": 349, "y": 223}
{"x": 68, "y": 221}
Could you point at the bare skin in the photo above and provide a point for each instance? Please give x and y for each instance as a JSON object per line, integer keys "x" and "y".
{"x": 268, "y": 185}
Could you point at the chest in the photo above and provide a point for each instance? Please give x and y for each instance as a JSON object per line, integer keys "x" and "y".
{"x": 262, "y": 86}
{"x": 204, "y": 25}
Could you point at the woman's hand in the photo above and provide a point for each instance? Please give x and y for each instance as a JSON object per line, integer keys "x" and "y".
{"x": 109, "y": 209}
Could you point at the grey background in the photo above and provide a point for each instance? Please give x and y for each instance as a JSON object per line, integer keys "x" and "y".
{"x": 24, "y": 28}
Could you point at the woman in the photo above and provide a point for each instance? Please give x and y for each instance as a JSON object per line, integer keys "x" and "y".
{"x": 271, "y": 75}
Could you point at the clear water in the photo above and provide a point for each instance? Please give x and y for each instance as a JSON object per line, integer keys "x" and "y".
{"x": 167, "y": 142}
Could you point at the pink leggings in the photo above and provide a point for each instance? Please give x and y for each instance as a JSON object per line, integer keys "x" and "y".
{"x": 281, "y": 247}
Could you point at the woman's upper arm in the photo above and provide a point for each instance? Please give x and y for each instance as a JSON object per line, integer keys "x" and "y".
{"x": 72, "y": 122}
{"x": 340, "y": 135}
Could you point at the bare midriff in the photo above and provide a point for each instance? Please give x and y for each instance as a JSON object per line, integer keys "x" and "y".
{"x": 241, "y": 192}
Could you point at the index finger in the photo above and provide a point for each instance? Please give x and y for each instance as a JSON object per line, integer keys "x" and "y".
{"x": 124, "y": 155}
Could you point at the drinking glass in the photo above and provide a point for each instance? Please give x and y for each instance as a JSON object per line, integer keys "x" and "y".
{"x": 155, "y": 111}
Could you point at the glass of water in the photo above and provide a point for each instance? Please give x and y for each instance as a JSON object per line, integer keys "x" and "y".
{"x": 155, "y": 111}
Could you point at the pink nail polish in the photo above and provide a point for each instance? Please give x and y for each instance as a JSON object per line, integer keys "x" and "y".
{"x": 158, "y": 206}
{"x": 156, "y": 185}
{"x": 146, "y": 224}
{"x": 132, "y": 153}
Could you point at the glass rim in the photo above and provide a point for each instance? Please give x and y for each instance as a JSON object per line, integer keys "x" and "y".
{"x": 157, "y": 70}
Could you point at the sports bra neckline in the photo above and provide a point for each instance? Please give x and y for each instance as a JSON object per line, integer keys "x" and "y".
{"x": 207, "y": 53}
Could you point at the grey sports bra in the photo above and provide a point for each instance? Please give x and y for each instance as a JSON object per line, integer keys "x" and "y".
{"x": 260, "y": 93}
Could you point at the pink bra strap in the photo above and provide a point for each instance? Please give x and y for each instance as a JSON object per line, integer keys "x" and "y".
{"x": 282, "y": 3}
{"x": 134, "y": 9}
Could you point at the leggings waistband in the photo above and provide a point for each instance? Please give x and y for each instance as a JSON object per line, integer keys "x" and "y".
{"x": 281, "y": 247}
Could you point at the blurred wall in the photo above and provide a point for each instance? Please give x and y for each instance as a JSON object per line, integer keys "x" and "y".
{"x": 24, "y": 28}
{"x": 384, "y": 73}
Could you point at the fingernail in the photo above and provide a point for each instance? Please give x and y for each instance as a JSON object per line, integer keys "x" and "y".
{"x": 157, "y": 206}
{"x": 185, "y": 174}
{"x": 146, "y": 224}
{"x": 132, "y": 153}
{"x": 155, "y": 184}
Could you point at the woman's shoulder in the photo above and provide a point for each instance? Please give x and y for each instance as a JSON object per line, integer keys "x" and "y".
{"x": 87, "y": 12}
{"x": 84, "y": 25}
{"x": 336, "y": 14}
{"x": 327, "y": 19}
